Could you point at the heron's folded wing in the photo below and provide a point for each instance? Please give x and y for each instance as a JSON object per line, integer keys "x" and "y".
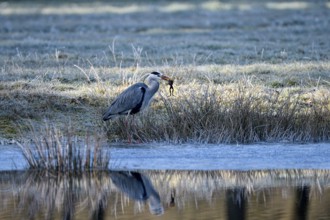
{"x": 128, "y": 99}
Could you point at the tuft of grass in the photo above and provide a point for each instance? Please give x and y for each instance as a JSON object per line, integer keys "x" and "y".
{"x": 59, "y": 149}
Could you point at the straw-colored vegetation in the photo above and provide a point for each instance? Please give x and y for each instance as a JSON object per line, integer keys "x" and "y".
{"x": 244, "y": 72}
{"x": 60, "y": 150}
{"x": 243, "y": 112}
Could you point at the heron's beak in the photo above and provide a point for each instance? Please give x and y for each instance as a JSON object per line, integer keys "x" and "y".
{"x": 163, "y": 77}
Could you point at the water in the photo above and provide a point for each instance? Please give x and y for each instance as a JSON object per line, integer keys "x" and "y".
{"x": 222, "y": 157}
{"x": 201, "y": 157}
{"x": 262, "y": 181}
{"x": 266, "y": 194}
{"x": 11, "y": 158}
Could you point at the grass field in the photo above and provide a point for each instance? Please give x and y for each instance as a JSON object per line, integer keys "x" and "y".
{"x": 244, "y": 71}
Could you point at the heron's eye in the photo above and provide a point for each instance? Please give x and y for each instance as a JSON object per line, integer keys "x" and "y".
{"x": 156, "y": 73}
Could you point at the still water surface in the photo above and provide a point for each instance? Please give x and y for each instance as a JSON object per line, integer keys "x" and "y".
{"x": 280, "y": 181}
{"x": 201, "y": 157}
{"x": 267, "y": 194}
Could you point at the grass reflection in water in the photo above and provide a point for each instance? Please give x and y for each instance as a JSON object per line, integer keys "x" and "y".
{"x": 298, "y": 194}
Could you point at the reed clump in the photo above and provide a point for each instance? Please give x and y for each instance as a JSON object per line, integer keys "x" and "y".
{"x": 60, "y": 149}
{"x": 244, "y": 113}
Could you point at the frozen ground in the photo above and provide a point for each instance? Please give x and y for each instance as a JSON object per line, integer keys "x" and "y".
{"x": 202, "y": 157}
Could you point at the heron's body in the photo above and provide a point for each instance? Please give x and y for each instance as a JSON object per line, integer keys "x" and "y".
{"x": 139, "y": 187}
{"x": 135, "y": 98}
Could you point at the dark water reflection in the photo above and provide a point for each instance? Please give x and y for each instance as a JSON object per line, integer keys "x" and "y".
{"x": 269, "y": 194}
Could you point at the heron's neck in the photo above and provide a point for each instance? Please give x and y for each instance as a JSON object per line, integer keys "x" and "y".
{"x": 153, "y": 87}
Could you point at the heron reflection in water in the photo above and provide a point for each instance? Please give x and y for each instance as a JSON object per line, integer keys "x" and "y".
{"x": 138, "y": 187}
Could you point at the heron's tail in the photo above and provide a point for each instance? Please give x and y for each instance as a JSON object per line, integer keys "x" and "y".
{"x": 107, "y": 116}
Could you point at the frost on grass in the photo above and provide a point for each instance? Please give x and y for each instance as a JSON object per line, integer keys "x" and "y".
{"x": 265, "y": 66}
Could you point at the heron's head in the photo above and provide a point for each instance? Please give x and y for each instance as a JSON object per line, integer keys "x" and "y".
{"x": 158, "y": 75}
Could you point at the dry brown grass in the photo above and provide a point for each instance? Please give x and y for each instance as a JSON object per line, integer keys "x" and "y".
{"x": 60, "y": 150}
{"x": 239, "y": 113}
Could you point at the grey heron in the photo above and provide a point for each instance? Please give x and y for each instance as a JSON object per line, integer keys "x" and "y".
{"x": 138, "y": 187}
{"x": 136, "y": 97}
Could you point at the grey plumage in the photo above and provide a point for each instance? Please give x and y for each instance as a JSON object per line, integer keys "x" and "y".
{"x": 138, "y": 187}
{"x": 135, "y": 98}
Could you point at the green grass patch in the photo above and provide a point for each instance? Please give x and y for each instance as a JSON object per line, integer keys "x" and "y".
{"x": 8, "y": 128}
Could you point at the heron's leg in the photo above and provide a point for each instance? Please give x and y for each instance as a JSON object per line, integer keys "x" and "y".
{"x": 128, "y": 128}
{"x": 135, "y": 132}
